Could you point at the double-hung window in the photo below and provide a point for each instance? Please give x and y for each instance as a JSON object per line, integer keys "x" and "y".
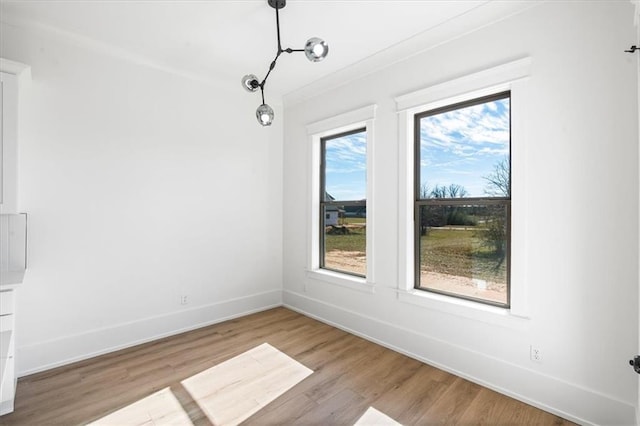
{"x": 462, "y": 199}
{"x": 343, "y": 204}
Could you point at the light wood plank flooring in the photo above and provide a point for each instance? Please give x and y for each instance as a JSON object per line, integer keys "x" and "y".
{"x": 350, "y": 375}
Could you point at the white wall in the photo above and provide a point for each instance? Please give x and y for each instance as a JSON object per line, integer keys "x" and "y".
{"x": 141, "y": 186}
{"x": 581, "y": 209}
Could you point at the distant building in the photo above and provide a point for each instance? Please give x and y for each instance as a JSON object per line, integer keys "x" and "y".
{"x": 332, "y": 213}
{"x": 355, "y": 211}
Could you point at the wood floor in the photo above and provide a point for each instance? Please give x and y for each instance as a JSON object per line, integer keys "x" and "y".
{"x": 350, "y": 375}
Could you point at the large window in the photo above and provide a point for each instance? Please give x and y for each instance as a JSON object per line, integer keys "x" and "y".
{"x": 463, "y": 199}
{"x": 343, "y": 204}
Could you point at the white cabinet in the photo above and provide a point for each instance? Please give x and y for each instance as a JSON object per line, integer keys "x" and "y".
{"x": 12, "y": 76}
{"x": 12, "y": 225}
{"x": 8, "y": 377}
{"x": 13, "y": 248}
{"x": 8, "y": 144}
{"x": 13, "y": 228}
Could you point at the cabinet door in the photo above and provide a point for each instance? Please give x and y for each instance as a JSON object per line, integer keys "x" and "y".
{"x": 9, "y": 144}
{"x": 1, "y": 140}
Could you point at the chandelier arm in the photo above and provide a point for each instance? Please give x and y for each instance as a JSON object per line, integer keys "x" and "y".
{"x": 278, "y": 53}
{"x": 290, "y": 50}
{"x": 271, "y": 67}
{"x": 278, "y": 30}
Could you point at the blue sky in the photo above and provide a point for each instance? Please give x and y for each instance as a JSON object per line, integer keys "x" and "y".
{"x": 457, "y": 147}
{"x": 462, "y": 146}
{"x": 346, "y": 167}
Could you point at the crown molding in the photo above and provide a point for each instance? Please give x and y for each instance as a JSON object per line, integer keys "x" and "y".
{"x": 106, "y": 49}
{"x": 12, "y": 67}
{"x": 486, "y": 14}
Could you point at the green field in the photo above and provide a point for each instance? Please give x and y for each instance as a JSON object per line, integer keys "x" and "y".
{"x": 354, "y": 240}
{"x": 460, "y": 252}
{"x": 450, "y": 250}
{"x": 360, "y": 220}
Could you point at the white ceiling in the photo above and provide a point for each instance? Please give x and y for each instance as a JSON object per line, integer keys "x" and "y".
{"x": 221, "y": 40}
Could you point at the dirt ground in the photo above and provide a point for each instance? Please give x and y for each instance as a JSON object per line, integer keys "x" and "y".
{"x": 355, "y": 262}
{"x": 351, "y": 261}
{"x": 487, "y": 290}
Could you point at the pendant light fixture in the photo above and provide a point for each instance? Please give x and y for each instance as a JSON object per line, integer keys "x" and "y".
{"x": 315, "y": 50}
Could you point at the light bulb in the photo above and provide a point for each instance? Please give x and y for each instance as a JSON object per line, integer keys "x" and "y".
{"x": 264, "y": 114}
{"x": 316, "y": 49}
{"x": 250, "y": 83}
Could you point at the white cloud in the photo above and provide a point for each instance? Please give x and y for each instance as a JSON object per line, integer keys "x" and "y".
{"x": 345, "y": 167}
{"x": 346, "y": 154}
{"x": 461, "y": 146}
{"x": 467, "y": 131}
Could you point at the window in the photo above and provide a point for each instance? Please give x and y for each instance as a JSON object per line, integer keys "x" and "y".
{"x": 343, "y": 204}
{"x": 335, "y": 170}
{"x": 462, "y": 196}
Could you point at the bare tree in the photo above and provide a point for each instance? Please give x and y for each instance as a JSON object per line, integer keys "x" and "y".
{"x": 499, "y": 180}
{"x": 452, "y": 191}
{"x": 456, "y": 191}
{"x": 439, "y": 192}
{"x": 495, "y": 233}
{"x": 425, "y": 191}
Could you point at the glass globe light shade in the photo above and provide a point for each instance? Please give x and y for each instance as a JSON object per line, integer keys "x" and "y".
{"x": 316, "y": 49}
{"x": 264, "y": 114}
{"x": 250, "y": 83}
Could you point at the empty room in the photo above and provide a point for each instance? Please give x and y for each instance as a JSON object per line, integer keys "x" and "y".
{"x": 331, "y": 212}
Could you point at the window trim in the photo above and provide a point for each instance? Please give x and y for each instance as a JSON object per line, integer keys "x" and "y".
{"x": 484, "y": 201}
{"x": 324, "y": 203}
{"x": 513, "y": 76}
{"x": 355, "y": 119}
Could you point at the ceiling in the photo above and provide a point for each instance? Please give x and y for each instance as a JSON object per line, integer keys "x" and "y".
{"x": 219, "y": 41}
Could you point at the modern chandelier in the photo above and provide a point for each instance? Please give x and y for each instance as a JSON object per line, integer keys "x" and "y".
{"x": 315, "y": 49}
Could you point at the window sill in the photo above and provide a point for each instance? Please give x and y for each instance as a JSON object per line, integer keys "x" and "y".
{"x": 342, "y": 280}
{"x": 464, "y": 308}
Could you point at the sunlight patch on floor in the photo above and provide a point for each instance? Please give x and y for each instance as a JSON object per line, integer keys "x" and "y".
{"x": 160, "y": 408}
{"x": 373, "y": 417}
{"x": 231, "y": 392}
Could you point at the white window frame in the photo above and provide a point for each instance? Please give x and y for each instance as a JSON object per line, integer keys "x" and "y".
{"x": 513, "y": 77}
{"x": 352, "y": 120}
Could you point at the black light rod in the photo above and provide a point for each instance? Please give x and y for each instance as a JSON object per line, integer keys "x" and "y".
{"x": 271, "y": 67}
{"x": 278, "y": 29}
{"x": 280, "y": 49}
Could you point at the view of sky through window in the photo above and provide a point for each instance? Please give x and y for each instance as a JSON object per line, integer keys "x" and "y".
{"x": 463, "y": 146}
{"x": 346, "y": 167}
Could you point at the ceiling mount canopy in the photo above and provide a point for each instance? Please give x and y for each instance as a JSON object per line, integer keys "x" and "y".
{"x": 315, "y": 49}
{"x": 277, "y": 4}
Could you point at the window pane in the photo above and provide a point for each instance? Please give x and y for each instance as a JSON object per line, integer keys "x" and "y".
{"x": 464, "y": 250}
{"x": 345, "y": 240}
{"x": 468, "y": 148}
{"x": 345, "y": 162}
{"x": 344, "y": 179}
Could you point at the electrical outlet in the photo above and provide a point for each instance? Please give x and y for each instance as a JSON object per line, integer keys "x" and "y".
{"x": 183, "y": 299}
{"x": 536, "y": 353}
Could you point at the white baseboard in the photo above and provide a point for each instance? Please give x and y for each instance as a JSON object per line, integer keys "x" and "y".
{"x": 567, "y": 400}
{"x": 6, "y": 407}
{"x": 61, "y": 351}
